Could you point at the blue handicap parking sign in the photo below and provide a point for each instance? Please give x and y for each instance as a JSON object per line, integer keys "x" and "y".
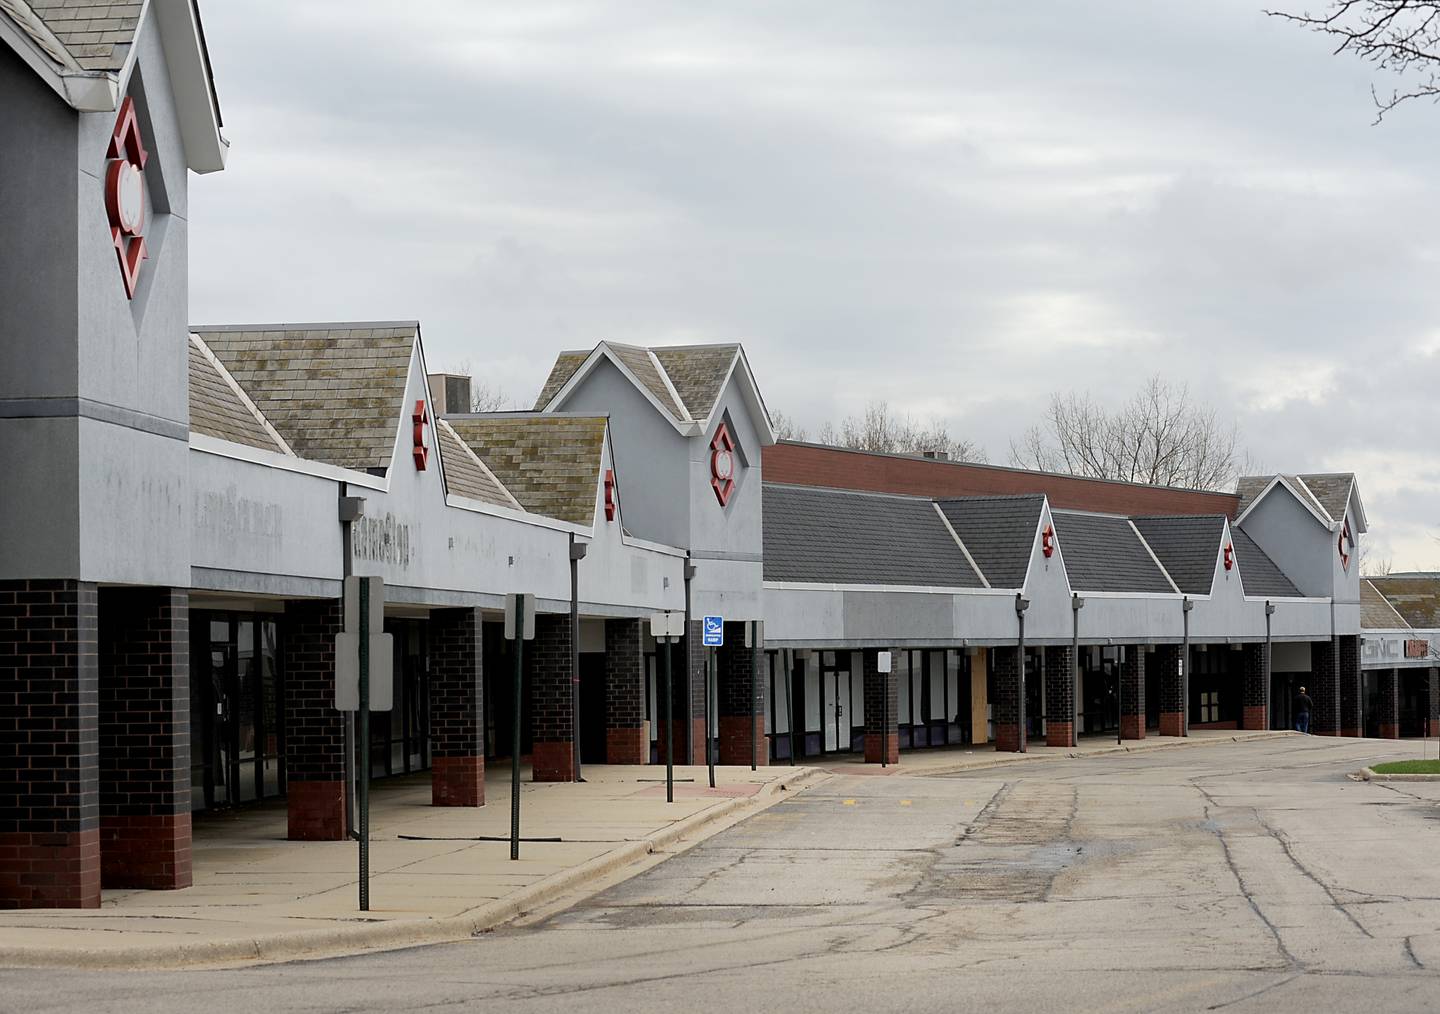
{"x": 714, "y": 632}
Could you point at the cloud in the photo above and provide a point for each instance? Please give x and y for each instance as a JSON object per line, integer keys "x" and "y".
{"x": 960, "y": 208}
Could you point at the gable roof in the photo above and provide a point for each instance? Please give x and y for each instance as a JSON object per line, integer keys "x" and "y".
{"x": 1186, "y": 546}
{"x": 466, "y": 474}
{"x": 1258, "y": 572}
{"x": 685, "y": 381}
{"x": 999, "y": 532}
{"x": 831, "y": 536}
{"x": 549, "y": 463}
{"x": 1103, "y": 553}
{"x": 334, "y": 392}
{"x": 1376, "y": 612}
{"x": 1332, "y": 490}
{"x": 1416, "y": 597}
{"x": 83, "y": 51}
{"x": 219, "y": 408}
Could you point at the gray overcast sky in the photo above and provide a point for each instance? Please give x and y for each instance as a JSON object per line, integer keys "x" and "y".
{"x": 958, "y": 206}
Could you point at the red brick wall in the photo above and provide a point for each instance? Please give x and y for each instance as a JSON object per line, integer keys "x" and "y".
{"x": 808, "y": 465}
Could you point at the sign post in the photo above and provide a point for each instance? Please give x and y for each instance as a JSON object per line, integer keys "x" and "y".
{"x": 667, "y": 628}
{"x": 519, "y": 627}
{"x": 883, "y": 665}
{"x": 364, "y": 682}
{"x": 713, "y": 636}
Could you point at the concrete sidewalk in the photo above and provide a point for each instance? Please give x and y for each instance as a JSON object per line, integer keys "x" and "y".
{"x": 258, "y": 898}
{"x": 953, "y": 760}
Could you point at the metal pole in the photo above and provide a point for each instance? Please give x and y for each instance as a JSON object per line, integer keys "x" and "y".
{"x": 670, "y": 722}
{"x": 515, "y": 729}
{"x": 575, "y": 657}
{"x": 710, "y": 664}
{"x": 1185, "y": 606}
{"x": 790, "y": 702}
{"x": 689, "y": 688}
{"x": 1020, "y": 607}
{"x": 1076, "y": 604}
{"x": 1269, "y": 611}
{"x": 754, "y": 685}
{"x": 1120, "y": 699}
{"x": 364, "y": 745}
{"x": 346, "y": 568}
{"x": 885, "y": 678}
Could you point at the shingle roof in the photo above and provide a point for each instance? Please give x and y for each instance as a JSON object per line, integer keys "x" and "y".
{"x": 549, "y": 463}
{"x": 466, "y": 474}
{"x": 697, "y": 372}
{"x": 1102, "y": 553}
{"x": 1248, "y": 487}
{"x": 1415, "y": 597}
{"x": 334, "y": 392}
{"x": 1376, "y": 612}
{"x": 98, "y": 36}
{"x": 999, "y": 532}
{"x": 1260, "y": 574}
{"x": 1186, "y": 546}
{"x": 1332, "y": 490}
{"x": 840, "y": 537}
{"x": 217, "y": 408}
{"x": 566, "y": 363}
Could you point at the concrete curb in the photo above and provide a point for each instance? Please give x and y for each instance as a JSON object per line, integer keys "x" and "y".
{"x": 1134, "y": 746}
{"x": 1369, "y": 775}
{"x": 333, "y": 941}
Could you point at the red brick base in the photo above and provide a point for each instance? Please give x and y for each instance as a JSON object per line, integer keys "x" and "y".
{"x": 1254, "y": 717}
{"x": 57, "y": 870}
{"x": 697, "y": 742}
{"x": 627, "y": 746}
{"x": 1352, "y": 733}
{"x": 1059, "y": 733}
{"x": 552, "y": 762}
{"x": 1388, "y": 731}
{"x": 735, "y": 741}
{"x": 152, "y": 852}
{"x": 1132, "y": 726}
{"x": 873, "y": 748}
{"x": 457, "y": 781}
{"x": 316, "y": 810}
{"x": 1007, "y": 738}
{"x": 1321, "y": 732}
{"x": 1172, "y": 723}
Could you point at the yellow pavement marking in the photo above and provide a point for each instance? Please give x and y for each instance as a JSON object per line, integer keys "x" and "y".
{"x": 904, "y": 802}
{"x": 847, "y": 802}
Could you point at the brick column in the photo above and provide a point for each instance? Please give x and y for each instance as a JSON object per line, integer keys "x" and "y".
{"x": 145, "y": 738}
{"x": 1171, "y": 685}
{"x": 1352, "y": 692}
{"x": 627, "y": 740}
{"x": 1324, "y": 687}
{"x": 736, "y": 681}
{"x": 1005, "y": 708}
{"x": 1432, "y": 702}
{"x": 882, "y": 695}
{"x": 314, "y": 730}
{"x": 687, "y": 695}
{"x": 1059, "y": 696}
{"x": 552, "y": 716}
{"x": 1132, "y": 693}
{"x": 1252, "y": 690}
{"x": 1389, "y": 703}
{"x": 49, "y": 745}
{"x": 457, "y": 724}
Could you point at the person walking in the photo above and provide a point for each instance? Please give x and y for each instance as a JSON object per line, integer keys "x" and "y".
{"x": 1303, "y": 707}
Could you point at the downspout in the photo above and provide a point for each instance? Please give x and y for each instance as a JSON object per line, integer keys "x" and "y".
{"x": 1186, "y": 604}
{"x": 1076, "y": 604}
{"x": 1021, "y": 604}
{"x": 577, "y": 553}
{"x": 689, "y": 689}
{"x": 350, "y": 509}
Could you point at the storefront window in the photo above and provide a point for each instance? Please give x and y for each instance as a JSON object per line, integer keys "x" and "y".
{"x": 236, "y": 721}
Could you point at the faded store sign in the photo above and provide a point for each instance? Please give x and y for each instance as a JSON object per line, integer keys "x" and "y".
{"x": 383, "y": 540}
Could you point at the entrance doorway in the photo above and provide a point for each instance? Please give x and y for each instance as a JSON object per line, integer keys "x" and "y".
{"x": 835, "y": 702}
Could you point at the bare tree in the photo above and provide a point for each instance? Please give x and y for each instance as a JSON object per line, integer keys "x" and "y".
{"x": 785, "y": 427}
{"x": 1372, "y": 565}
{"x": 1400, "y": 37}
{"x": 483, "y": 397}
{"x": 879, "y": 428}
{"x": 1158, "y": 437}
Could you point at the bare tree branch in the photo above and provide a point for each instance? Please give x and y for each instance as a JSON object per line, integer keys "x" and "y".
{"x": 1399, "y": 37}
{"x": 879, "y": 428}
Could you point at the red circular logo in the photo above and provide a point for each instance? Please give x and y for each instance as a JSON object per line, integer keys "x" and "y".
{"x": 125, "y": 194}
{"x": 722, "y": 464}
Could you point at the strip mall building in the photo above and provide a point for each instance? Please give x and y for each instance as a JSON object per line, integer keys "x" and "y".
{"x": 173, "y": 547}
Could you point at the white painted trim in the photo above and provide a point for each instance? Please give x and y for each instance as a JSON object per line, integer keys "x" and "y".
{"x": 240, "y": 393}
{"x": 767, "y": 435}
{"x": 1170, "y": 580}
{"x": 274, "y": 459}
{"x": 1274, "y": 481}
{"x": 670, "y": 386}
{"x": 465, "y": 503}
{"x": 960, "y": 542}
{"x": 1047, "y": 511}
{"x": 905, "y": 588}
{"x": 602, "y": 351}
{"x": 1325, "y": 515}
{"x": 205, "y": 149}
{"x": 88, "y": 91}
{"x": 1138, "y": 596}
